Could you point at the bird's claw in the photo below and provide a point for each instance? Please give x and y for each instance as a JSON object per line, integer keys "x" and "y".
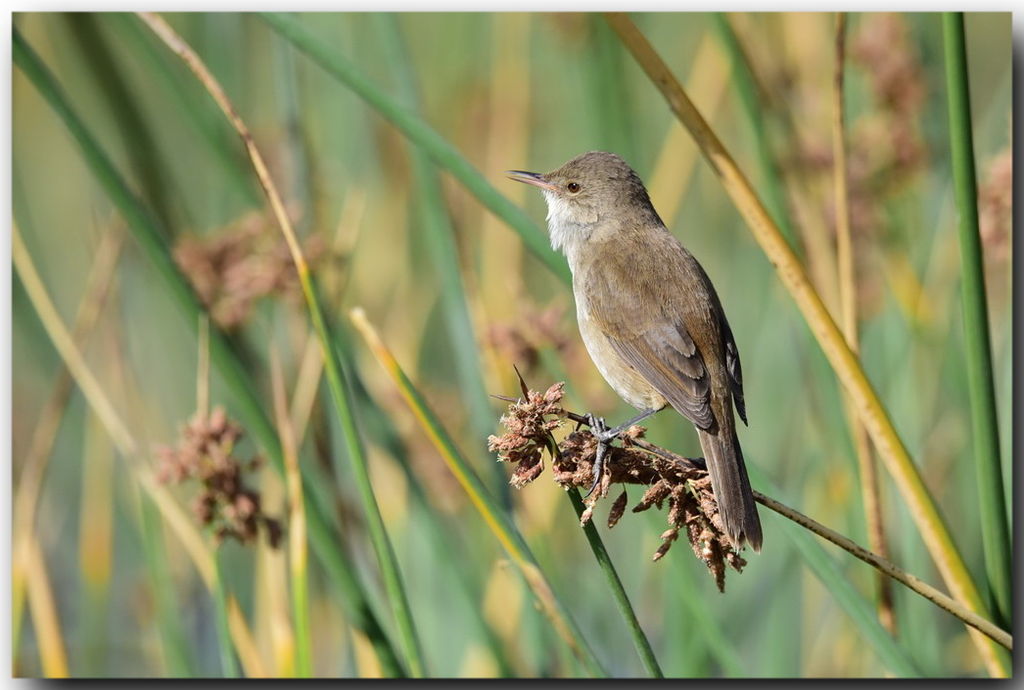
{"x": 600, "y": 431}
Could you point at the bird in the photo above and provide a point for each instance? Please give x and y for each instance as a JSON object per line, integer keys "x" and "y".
{"x": 650, "y": 319}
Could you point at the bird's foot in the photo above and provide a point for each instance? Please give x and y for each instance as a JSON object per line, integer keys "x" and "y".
{"x": 604, "y": 437}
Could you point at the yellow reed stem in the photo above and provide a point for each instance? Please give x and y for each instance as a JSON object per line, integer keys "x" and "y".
{"x": 44, "y": 612}
{"x": 677, "y": 161}
{"x": 848, "y": 312}
{"x": 112, "y": 422}
{"x": 296, "y": 523}
{"x": 872, "y": 413}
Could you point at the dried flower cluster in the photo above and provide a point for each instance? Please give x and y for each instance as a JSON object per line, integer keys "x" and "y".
{"x": 681, "y": 483}
{"x": 528, "y": 433}
{"x": 205, "y": 452}
{"x": 243, "y": 263}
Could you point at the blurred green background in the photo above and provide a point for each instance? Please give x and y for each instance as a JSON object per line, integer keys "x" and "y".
{"x": 524, "y": 91}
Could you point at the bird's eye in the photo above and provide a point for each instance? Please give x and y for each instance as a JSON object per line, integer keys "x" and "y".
{"x": 573, "y": 187}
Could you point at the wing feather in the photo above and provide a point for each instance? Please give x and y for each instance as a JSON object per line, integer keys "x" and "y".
{"x": 732, "y": 364}
{"x": 668, "y": 359}
{"x": 639, "y": 308}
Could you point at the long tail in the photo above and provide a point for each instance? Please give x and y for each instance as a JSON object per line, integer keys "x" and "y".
{"x": 731, "y": 485}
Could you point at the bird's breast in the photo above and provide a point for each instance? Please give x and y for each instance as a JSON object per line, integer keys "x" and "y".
{"x": 624, "y": 379}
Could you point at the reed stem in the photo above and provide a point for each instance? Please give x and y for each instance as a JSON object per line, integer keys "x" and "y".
{"x": 984, "y": 419}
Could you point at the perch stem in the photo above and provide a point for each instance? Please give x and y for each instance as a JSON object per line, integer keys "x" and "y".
{"x": 883, "y": 565}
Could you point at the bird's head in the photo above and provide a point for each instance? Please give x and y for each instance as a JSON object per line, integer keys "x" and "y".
{"x": 594, "y": 187}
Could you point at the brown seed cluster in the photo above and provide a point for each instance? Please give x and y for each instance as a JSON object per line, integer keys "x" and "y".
{"x": 680, "y": 483}
{"x": 241, "y": 264}
{"x": 205, "y": 452}
{"x": 528, "y": 433}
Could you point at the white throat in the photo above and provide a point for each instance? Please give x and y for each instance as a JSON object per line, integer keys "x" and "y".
{"x": 564, "y": 226}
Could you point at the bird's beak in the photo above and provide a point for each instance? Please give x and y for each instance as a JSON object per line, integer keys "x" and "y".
{"x": 536, "y": 179}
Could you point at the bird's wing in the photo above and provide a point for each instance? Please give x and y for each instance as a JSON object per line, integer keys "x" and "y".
{"x": 732, "y": 364}
{"x": 647, "y": 329}
{"x": 669, "y": 360}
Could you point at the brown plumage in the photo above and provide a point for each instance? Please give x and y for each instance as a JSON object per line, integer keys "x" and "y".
{"x": 650, "y": 317}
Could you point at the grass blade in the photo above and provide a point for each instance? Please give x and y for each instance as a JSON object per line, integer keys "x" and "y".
{"x": 994, "y": 530}
{"x": 172, "y": 639}
{"x": 848, "y": 316}
{"x": 890, "y": 447}
{"x": 132, "y": 126}
{"x": 115, "y": 427}
{"x": 242, "y": 396}
{"x": 381, "y": 430}
{"x": 440, "y": 151}
{"x": 228, "y": 663}
{"x": 889, "y": 652}
{"x": 43, "y": 608}
{"x": 435, "y": 220}
{"x": 217, "y": 138}
{"x": 340, "y": 391}
{"x": 604, "y": 560}
{"x": 495, "y": 517}
{"x": 746, "y": 87}
{"x": 37, "y": 459}
{"x": 296, "y": 525}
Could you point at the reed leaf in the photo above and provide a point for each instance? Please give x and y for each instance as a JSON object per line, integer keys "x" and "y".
{"x": 43, "y": 608}
{"x": 176, "y": 657}
{"x": 228, "y": 662}
{"x": 747, "y": 88}
{"x": 604, "y": 561}
{"x": 432, "y": 217}
{"x": 492, "y": 512}
{"x": 869, "y": 407}
{"x": 984, "y": 419}
{"x": 420, "y": 133}
{"x": 241, "y": 394}
{"x": 336, "y": 377}
{"x": 296, "y": 525}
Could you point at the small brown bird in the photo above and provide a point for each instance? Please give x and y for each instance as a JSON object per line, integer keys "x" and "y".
{"x": 650, "y": 319}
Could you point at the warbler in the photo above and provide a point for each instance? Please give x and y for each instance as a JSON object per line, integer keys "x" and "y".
{"x": 650, "y": 319}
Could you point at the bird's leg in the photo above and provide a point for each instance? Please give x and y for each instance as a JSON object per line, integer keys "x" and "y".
{"x": 604, "y": 437}
{"x": 610, "y": 434}
{"x": 599, "y": 429}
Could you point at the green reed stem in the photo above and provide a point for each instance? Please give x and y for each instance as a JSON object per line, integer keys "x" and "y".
{"x": 168, "y": 619}
{"x": 490, "y": 509}
{"x": 336, "y": 379}
{"x": 326, "y": 541}
{"x": 604, "y": 560}
{"x": 434, "y": 220}
{"x": 420, "y": 133}
{"x": 228, "y": 662}
{"x": 994, "y": 529}
{"x": 340, "y": 393}
{"x": 746, "y": 87}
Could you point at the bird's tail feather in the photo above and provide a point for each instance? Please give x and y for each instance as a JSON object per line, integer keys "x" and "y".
{"x": 731, "y": 486}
